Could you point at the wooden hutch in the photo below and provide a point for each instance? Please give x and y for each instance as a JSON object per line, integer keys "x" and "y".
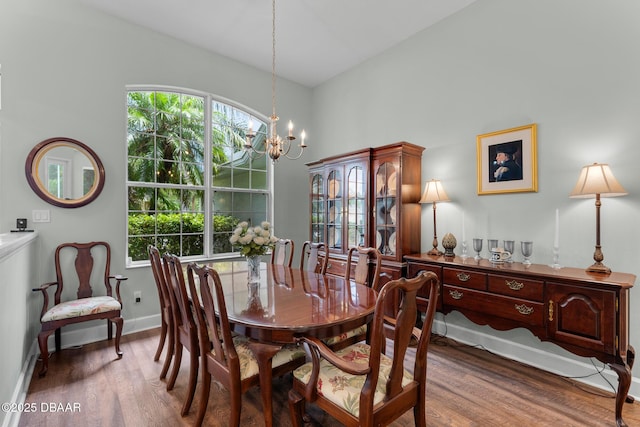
{"x": 367, "y": 198}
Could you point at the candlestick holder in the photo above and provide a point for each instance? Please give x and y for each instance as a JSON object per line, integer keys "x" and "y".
{"x": 556, "y": 258}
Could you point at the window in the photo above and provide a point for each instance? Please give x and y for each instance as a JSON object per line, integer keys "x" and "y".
{"x": 189, "y": 179}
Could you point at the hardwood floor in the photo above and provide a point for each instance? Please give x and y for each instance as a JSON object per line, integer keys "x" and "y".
{"x": 467, "y": 386}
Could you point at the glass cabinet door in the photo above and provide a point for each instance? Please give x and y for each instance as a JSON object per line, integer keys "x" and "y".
{"x": 356, "y": 207}
{"x": 317, "y": 208}
{"x": 334, "y": 210}
{"x": 386, "y": 189}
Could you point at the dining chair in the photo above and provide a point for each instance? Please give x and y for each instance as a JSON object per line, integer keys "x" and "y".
{"x": 282, "y": 252}
{"x": 360, "y": 385}
{"x": 166, "y": 314}
{"x": 85, "y": 306}
{"x": 310, "y": 258}
{"x": 363, "y": 274}
{"x": 185, "y": 329}
{"x": 225, "y": 356}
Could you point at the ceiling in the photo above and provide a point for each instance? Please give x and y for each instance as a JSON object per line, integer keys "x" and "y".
{"x": 315, "y": 39}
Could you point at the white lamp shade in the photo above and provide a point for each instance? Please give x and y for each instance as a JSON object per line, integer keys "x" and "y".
{"x": 433, "y": 192}
{"x": 597, "y": 179}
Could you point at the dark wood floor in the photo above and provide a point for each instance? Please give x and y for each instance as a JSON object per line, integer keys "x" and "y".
{"x": 467, "y": 387}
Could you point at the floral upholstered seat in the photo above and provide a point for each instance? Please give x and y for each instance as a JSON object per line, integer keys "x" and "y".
{"x": 248, "y": 362}
{"x": 81, "y": 307}
{"x": 342, "y": 388}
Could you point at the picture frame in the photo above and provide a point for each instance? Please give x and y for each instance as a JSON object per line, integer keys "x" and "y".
{"x": 507, "y": 161}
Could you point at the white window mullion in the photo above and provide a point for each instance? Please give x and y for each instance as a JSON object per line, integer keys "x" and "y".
{"x": 208, "y": 196}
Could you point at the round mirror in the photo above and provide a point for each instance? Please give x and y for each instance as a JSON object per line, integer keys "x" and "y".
{"x": 64, "y": 172}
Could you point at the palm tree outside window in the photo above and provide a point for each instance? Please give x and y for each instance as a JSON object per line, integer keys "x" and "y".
{"x": 189, "y": 180}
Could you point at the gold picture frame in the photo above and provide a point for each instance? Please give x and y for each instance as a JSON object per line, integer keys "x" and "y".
{"x": 507, "y": 161}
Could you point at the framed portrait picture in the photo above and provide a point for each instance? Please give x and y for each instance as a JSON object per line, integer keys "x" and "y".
{"x": 507, "y": 161}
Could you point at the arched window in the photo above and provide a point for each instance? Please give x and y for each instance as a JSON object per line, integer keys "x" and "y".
{"x": 189, "y": 179}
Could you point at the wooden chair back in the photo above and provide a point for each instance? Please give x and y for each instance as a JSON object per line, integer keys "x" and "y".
{"x": 85, "y": 268}
{"x": 166, "y": 315}
{"x": 398, "y": 398}
{"x": 363, "y": 273}
{"x": 282, "y": 253}
{"x": 185, "y": 329}
{"x": 311, "y": 258}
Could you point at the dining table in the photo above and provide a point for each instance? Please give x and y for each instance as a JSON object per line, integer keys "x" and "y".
{"x": 286, "y": 304}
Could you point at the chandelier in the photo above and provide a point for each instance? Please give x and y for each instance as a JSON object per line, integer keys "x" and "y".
{"x": 275, "y": 146}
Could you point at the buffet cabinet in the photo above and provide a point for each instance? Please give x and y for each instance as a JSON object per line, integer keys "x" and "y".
{"x": 368, "y": 198}
{"x": 585, "y": 313}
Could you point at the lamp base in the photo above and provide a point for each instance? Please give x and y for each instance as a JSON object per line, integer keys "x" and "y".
{"x": 434, "y": 252}
{"x": 599, "y": 267}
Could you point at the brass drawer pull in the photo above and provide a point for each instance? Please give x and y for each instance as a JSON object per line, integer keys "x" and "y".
{"x": 514, "y": 285}
{"x": 523, "y": 309}
{"x": 550, "y": 310}
{"x": 455, "y": 294}
{"x": 463, "y": 277}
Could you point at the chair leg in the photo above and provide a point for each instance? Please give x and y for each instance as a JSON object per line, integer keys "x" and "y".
{"x": 58, "y": 339}
{"x": 44, "y": 352}
{"x": 176, "y": 365}
{"x": 236, "y": 405}
{"x": 163, "y": 337}
{"x": 109, "y": 330}
{"x": 119, "y": 323}
{"x": 170, "y": 352}
{"x": 296, "y": 408}
{"x": 193, "y": 379}
{"x": 204, "y": 396}
{"x": 420, "y": 410}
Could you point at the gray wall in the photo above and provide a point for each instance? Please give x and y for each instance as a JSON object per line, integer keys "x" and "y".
{"x": 571, "y": 66}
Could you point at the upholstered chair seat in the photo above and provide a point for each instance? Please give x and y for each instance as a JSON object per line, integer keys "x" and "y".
{"x": 81, "y": 307}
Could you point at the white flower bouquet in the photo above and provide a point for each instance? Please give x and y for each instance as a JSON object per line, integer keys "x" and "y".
{"x": 253, "y": 241}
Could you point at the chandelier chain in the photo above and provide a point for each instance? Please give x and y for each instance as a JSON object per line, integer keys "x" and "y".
{"x": 273, "y": 61}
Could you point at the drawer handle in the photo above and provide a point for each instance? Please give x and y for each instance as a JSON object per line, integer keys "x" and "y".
{"x": 523, "y": 309}
{"x": 455, "y": 294}
{"x": 550, "y": 310}
{"x": 463, "y": 277}
{"x": 514, "y": 285}
{"x": 329, "y": 266}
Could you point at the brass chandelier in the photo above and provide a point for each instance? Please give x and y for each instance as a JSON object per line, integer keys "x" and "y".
{"x": 275, "y": 146}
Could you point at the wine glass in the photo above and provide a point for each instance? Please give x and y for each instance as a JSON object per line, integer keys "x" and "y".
{"x": 527, "y": 251}
{"x": 493, "y": 243}
{"x": 509, "y": 246}
{"x": 477, "y": 246}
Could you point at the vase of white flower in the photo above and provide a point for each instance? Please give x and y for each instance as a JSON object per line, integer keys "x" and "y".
{"x": 253, "y": 242}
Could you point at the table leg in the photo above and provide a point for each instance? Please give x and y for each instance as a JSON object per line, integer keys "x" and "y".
{"x": 624, "y": 382}
{"x": 264, "y": 353}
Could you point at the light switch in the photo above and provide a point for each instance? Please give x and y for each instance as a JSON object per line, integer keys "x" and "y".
{"x": 41, "y": 215}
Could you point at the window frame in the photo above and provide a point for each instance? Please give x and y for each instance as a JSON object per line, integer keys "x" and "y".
{"x": 207, "y": 187}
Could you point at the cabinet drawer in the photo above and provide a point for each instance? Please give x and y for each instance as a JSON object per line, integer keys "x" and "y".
{"x": 519, "y": 310}
{"x": 336, "y": 267}
{"x": 516, "y": 287}
{"x": 466, "y": 278}
{"x": 414, "y": 269}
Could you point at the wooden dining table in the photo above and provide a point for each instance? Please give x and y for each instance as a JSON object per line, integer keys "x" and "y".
{"x": 289, "y": 303}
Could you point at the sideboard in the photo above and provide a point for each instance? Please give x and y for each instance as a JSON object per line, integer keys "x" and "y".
{"x": 584, "y": 313}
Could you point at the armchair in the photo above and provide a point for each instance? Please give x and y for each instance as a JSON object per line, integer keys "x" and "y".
{"x": 86, "y": 306}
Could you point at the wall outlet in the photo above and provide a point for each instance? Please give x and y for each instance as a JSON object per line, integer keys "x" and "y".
{"x": 137, "y": 295}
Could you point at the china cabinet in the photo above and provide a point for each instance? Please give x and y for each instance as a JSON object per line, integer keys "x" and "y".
{"x": 367, "y": 198}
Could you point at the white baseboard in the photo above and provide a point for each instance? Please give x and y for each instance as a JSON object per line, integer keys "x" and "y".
{"x": 557, "y": 361}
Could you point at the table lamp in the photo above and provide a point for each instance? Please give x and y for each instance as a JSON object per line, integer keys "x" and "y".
{"x": 433, "y": 193}
{"x": 597, "y": 180}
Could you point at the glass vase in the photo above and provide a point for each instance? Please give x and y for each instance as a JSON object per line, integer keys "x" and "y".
{"x": 253, "y": 270}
